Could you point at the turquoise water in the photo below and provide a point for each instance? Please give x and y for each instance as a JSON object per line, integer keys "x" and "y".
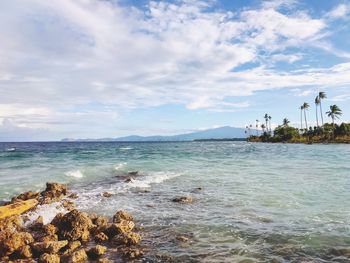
{"x": 258, "y": 202}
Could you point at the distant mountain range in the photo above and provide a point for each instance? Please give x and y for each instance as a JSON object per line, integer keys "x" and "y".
{"x": 225, "y": 132}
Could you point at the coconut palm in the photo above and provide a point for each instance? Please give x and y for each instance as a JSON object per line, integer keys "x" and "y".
{"x": 301, "y": 117}
{"x": 270, "y": 123}
{"x": 305, "y": 107}
{"x": 257, "y": 127}
{"x": 321, "y": 95}
{"x": 285, "y": 122}
{"x": 334, "y": 113}
{"x": 317, "y": 102}
{"x": 266, "y": 117}
{"x": 263, "y": 127}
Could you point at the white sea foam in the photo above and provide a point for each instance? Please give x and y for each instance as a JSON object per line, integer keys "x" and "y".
{"x": 11, "y": 149}
{"x": 74, "y": 173}
{"x": 47, "y": 211}
{"x": 119, "y": 166}
{"x": 152, "y": 178}
{"x": 125, "y": 148}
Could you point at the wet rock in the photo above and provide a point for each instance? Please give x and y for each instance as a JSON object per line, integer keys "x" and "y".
{"x": 50, "y": 247}
{"x": 183, "y": 200}
{"x": 50, "y": 229}
{"x": 104, "y": 260}
{"x": 120, "y": 228}
{"x": 38, "y": 224}
{"x": 106, "y": 194}
{"x": 24, "y": 252}
{"x": 77, "y": 256}
{"x": 53, "y": 193}
{"x": 71, "y": 247}
{"x": 68, "y": 205}
{"x": 73, "y": 196}
{"x": 129, "y": 180}
{"x": 183, "y": 238}
{"x": 12, "y": 241}
{"x": 74, "y": 226}
{"x": 131, "y": 253}
{"x": 100, "y": 221}
{"x": 122, "y": 215}
{"x": 341, "y": 252}
{"x": 134, "y": 173}
{"x": 11, "y": 223}
{"x": 48, "y": 238}
{"x": 101, "y": 237}
{"x": 57, "y": 219}
{"x": 96, "y": 251}
{"x": 127, "y": 239}
{"x": 26, "y": 196}
{"x": 49, "y": 258}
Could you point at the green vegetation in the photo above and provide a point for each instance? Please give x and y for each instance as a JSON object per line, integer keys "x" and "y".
{"x": 325, "y": 133}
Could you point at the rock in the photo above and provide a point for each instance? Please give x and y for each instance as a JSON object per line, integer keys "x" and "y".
{"x": 127, "y": 239}
{"x": 101, "y": 237}
{"x": 11, "y": 223}
{"x": 100, "y": 221}
{"x": 182, "y": 238}
{"x": 134, "y": 173}
{"x": 132, "y": 253}
{"x": 26, "y": 196}
{"x": 73, "y": 196}
{"x": 24, "y": 252}
{"x": 51, "y": 247}
{"x": 104, "y": 260}
{"x": 38, "y": 224}
{"x": 183, "y": 199}
{"x": 48, "y": 238}
{"x": 74, "y": 226}
{"x": 129, "y": 180}
{"x": 57, "y": 219}
{"x": 342, "y": 251}
{"x": 49, "y": 258}
{"x": 12, "y": 241}
{"x": 122, "y": 215}
{"x": 77, "y": 256}
{"x": 53, "y": 193}
{"x": 96, "y": 251}
{"x": 50, "y": 229}
{"x": 119, "y": 228}
{"x": 106, "y": 194}
{"x": 73, "y": 245}
{"x": 17, "y": 208}
{"x": 68, "y": 205}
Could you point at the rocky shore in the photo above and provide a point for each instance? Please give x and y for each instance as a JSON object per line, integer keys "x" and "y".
{"x": 72, "y": 236}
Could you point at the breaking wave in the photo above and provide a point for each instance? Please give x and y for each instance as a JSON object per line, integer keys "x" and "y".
{"x": 75, "y": 174}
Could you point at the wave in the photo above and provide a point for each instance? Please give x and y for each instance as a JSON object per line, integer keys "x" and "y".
{"x": 153, "y": 178}
{"x": 47, "y": 211}
{"x": 119, "y": 166}
{"x": 11, "y": 149}
{"x": 75, "y": 174}
{"x": 125, "y": 148}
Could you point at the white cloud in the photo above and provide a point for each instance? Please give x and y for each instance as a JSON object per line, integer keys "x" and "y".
{"x": 340, "y": 11}
{"x": 60, "y": 54}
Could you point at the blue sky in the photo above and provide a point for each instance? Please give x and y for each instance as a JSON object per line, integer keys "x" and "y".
{"x": 92, "y": 68}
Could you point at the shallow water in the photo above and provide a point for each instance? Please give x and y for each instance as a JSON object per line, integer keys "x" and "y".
{"x": 285, "y": 202}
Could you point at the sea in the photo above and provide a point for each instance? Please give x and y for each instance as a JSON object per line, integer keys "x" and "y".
{"x": 252, "y": 202}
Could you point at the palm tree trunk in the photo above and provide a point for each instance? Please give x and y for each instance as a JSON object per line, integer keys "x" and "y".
{"x": 316, "y": 116}
{"x": 321, "y": 112}
{"x": 301, "y": 119}
{"x": 306, "y": 127}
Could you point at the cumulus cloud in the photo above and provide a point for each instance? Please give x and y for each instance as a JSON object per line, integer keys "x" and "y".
{"x": 61, "y": 54}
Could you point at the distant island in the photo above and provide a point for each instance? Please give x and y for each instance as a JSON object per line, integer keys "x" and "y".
{"x": 222, "y": 133}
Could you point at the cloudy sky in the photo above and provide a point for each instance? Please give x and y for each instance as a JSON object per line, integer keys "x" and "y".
{"x": 99, "y": 68}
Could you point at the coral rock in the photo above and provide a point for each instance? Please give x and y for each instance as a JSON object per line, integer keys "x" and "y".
{"x": 77, "y": 256}
{"x": 24, "y": 252}
{"x": 122, "y": 215}
{"x": 97, "y": 251}
{"x": 51, "y": 247}
{"x": 12, "y": 241}
{"x": 127, "y": 239}
{"x": 101, "y": 237}
{"x": 49, "y": 258}
{"x": 183, "y": 199}
{"x": 11, "y": 223}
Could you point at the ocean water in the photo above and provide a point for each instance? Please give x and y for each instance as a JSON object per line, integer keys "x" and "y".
{"x": 253, "y": 202}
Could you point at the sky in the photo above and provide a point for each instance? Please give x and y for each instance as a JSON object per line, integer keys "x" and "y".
{"x": 99, "y": 68}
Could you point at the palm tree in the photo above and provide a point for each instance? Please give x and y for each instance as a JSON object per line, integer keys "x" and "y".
{"x": 285, "y": 122}
{"x": 257, "y": 127}
{"x": 263, "y": 127}
{"x": 334, "y": 113}
{"x": 305, "y": 107}
{"x": 317, "y": 102}
{"x": 301, "y": 117}
{"x": 270, "y": 123}
{"x": 321, "y": 95}
{"x": 266, "y": 117}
